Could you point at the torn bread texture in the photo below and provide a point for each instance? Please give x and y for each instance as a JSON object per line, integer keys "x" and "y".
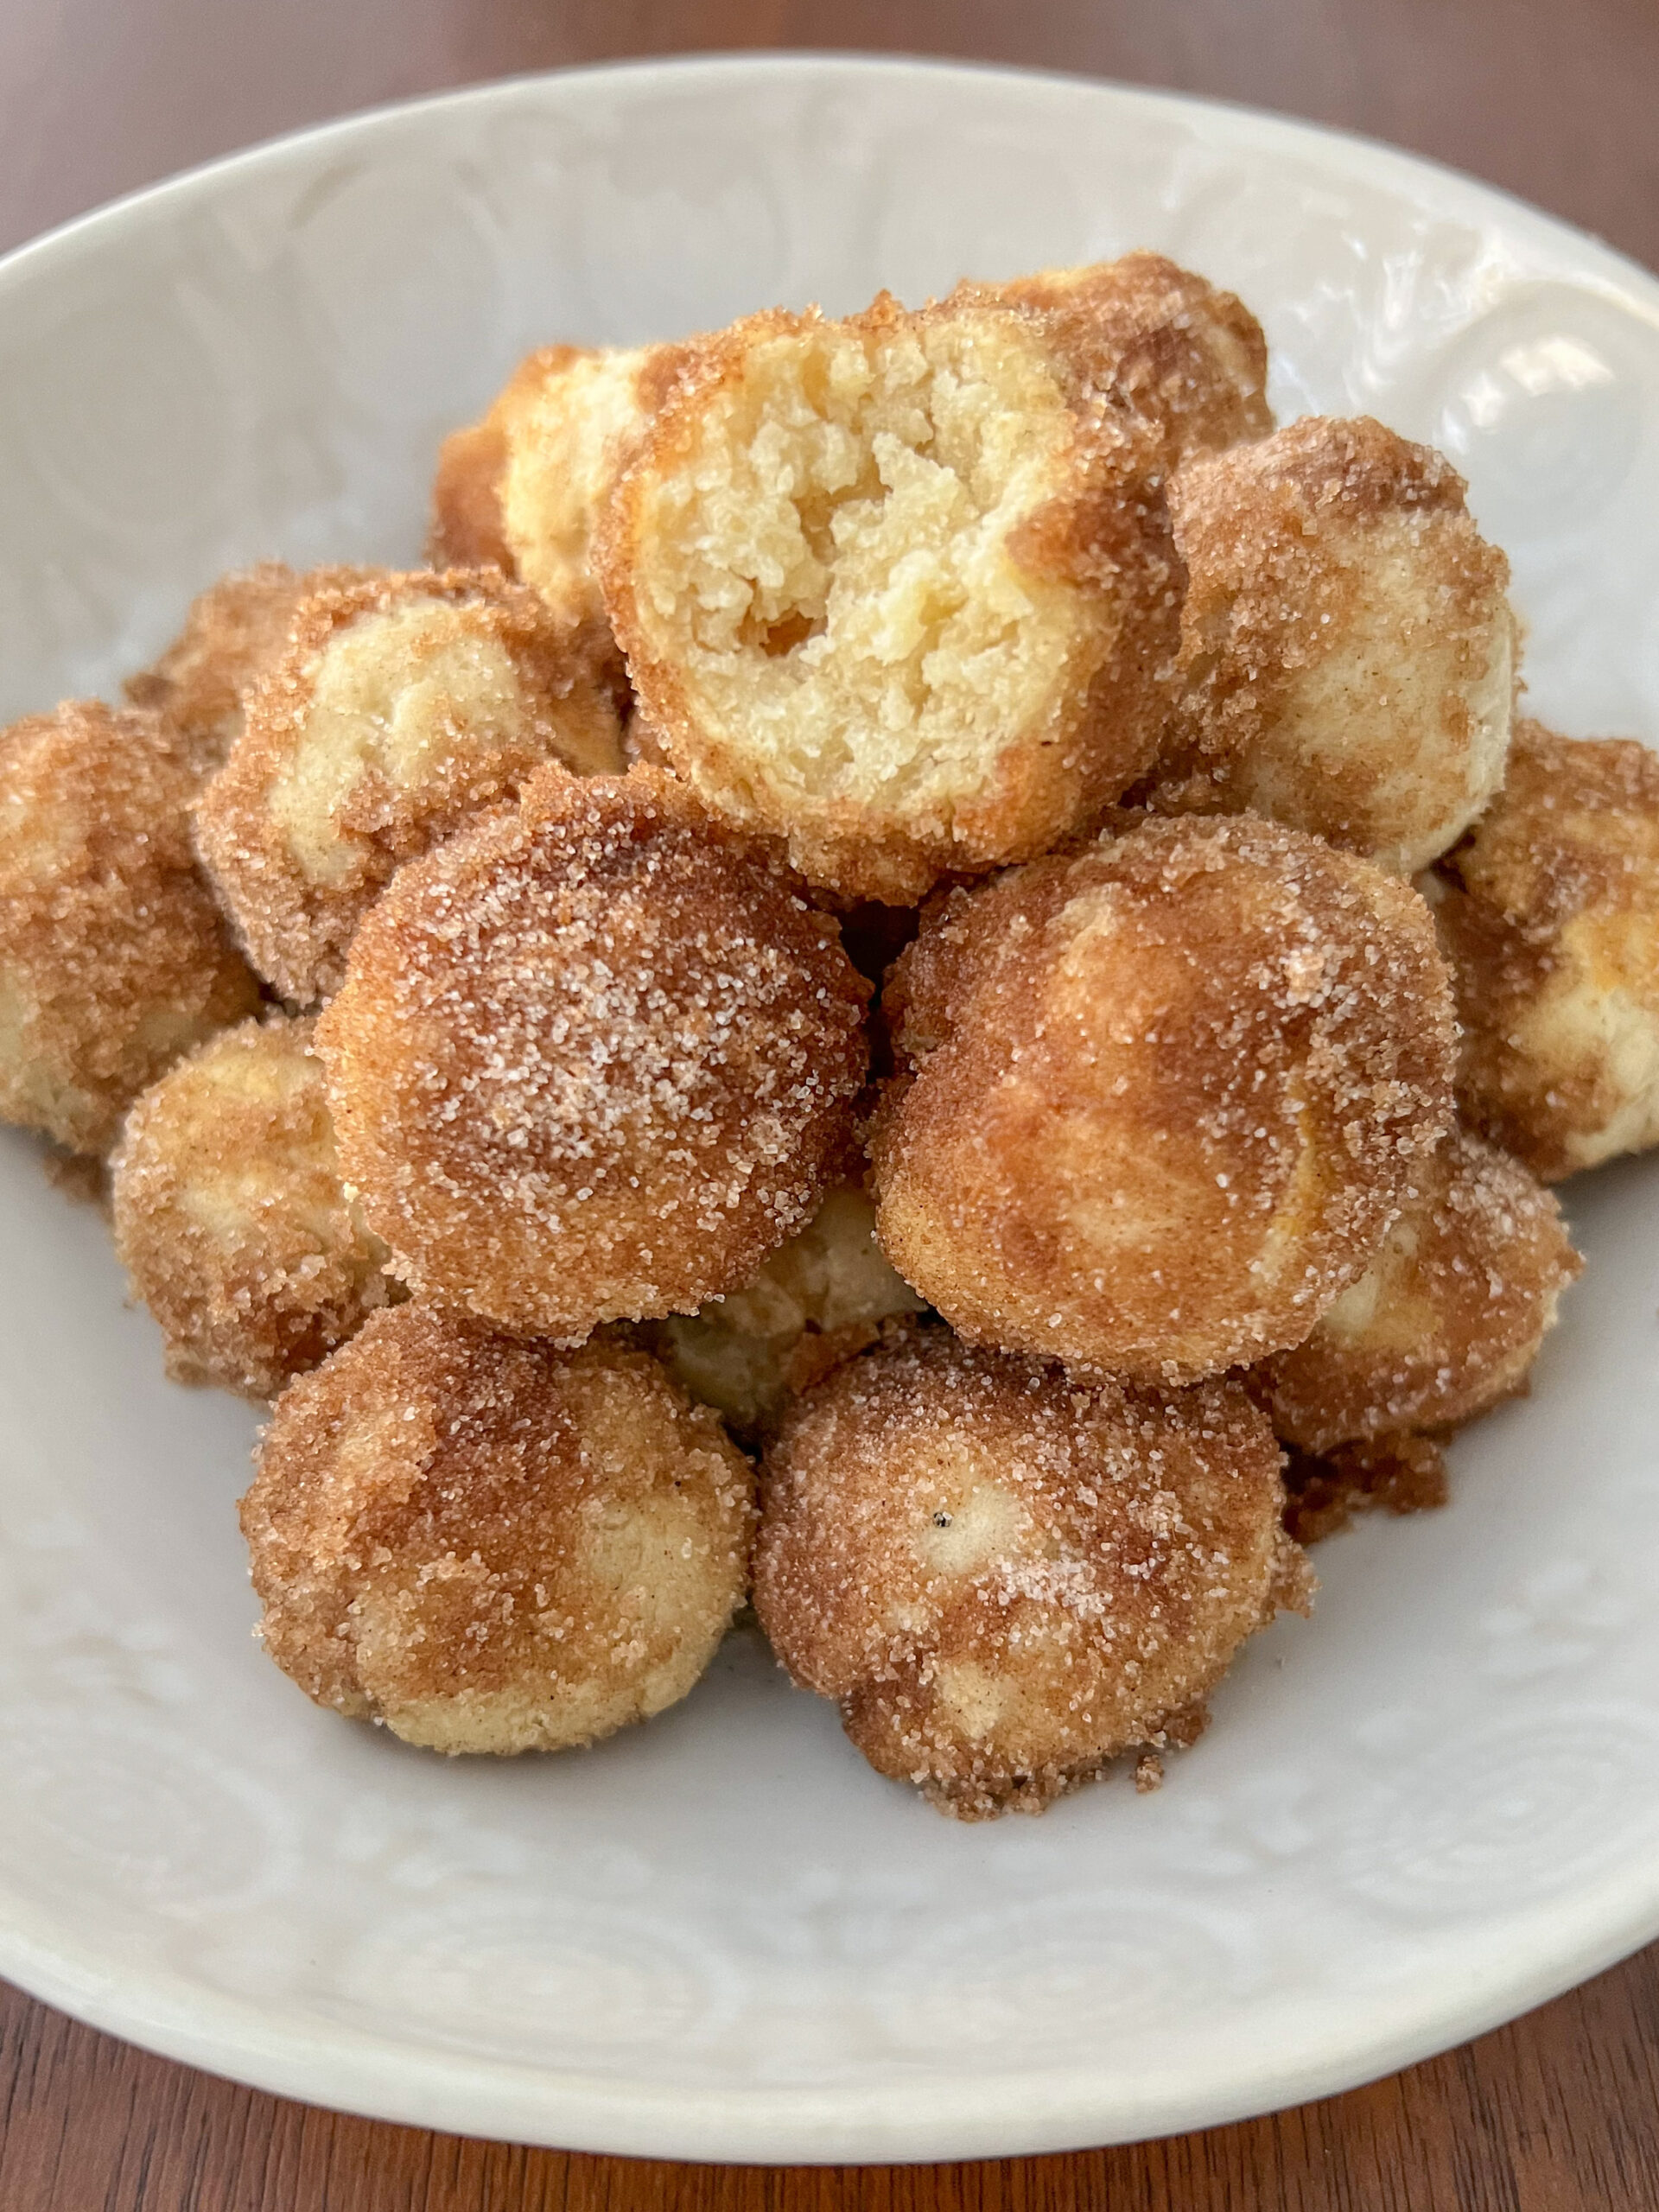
{"x": 898, "y": 589}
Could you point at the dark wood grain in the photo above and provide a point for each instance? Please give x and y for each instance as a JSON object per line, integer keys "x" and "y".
{"x": 1552, "y": 98}
{"x": 1558, "y": 2112}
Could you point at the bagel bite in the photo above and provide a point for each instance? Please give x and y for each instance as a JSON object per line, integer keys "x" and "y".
{"x": 523, "y": 488}
{"x": 818, "y": 1299}
{"x": 1348, "y": 655}
{"x": 401, "y": 705}
{"x": 491, "y": 1546}
{"x": 230, "y": 1217}
{"x": 233, "y": 632}
{"x": 593, "y": 1059}
{"x": 1549, "y": 912}
{"x": 897, "y": 589}
{"x": 113, "y": 957}
{"x": 1447, "y": 1318}
{"x": 1184, "y": 359}
{"x": 1159, "y": 1099}
{"x": 1005, "y": 1578}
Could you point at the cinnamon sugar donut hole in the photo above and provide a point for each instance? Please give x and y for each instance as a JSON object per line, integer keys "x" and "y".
{"x": 401, "y": 705}
{"x": 1163, "y": 345}
{"x": 230, "y": 1217}
{"x": 1164, "y": 1095}
{"x": 897, "y": 589}
{"x": 1549, "y": 913}
{"x": 593, "y": 1059}
{"x": 233, "y": 632}
{"x": 1347, "y": 652}
{"x": 1448, "y": 1317}
{"x": 1005, "y": 1577}
{"x": 491, "y": 1546}
{"x": 523, "y": 488}
{"x": 113, "y": 957}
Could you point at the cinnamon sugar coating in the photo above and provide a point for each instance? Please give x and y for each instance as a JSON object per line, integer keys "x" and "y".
{"x": 1001, "y": 653}
{"x": 1448, "y": 1317}
{"x": 230, "y": 1217}
{"x": 1184, "y": 359}
{"x": 1397, "y": 1475}
{"x": 593, "y": 1059}
{"x": 1164, "y": 1095}
{"x": 1347, "y": 652}
{"x": 1006, "y": 1579}
{"x": 401, "y": 705}
{"x": 898, "y": 589}
{"x": 491, "y": 1546}
{"x": 233, "y": 632}
{"x": 113, "y": 957}
{"x": 813, "y": 1303}
{"x": 1549, "y": 914}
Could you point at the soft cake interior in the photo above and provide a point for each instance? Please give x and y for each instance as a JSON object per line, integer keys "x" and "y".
{"x": 834, "y": 565}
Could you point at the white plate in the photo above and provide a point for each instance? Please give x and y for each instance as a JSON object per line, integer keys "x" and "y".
{"x": 722, "y": 1935}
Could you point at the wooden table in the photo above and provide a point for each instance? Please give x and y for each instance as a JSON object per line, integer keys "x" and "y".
{"x": 1554, "y": 101}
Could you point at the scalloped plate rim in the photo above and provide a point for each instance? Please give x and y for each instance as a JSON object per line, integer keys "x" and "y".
{"x": 1015, "y": 2115}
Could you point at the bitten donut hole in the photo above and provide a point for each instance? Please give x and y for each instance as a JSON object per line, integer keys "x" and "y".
{"x": 834, "y": 570}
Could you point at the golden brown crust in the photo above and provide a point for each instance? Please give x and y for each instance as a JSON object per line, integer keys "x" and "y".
{"x": 1163, "y": 345}
{"x": 466, "y": 528}
{"x": 230, "y": 1217}
{"x": 593, "y": 1059}
{"x": 1352, "y": 464}
{"x": 1163, "y": 1095}
{"x": 113, "y": 957}
{"x": 1006, "y": 1578}
{"x": 828, "y": 509}
{"x": 491, "y": 1546}
{"x": 401, "y": 705}
{"x": 232, "y": 633}
{"x": 1347, "y": 652}
{"x": 1448, "y": 1317}
{"x": 1549, "y": 913}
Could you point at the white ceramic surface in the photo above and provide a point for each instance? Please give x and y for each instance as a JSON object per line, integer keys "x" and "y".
{"x": 721, "y": 1936}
